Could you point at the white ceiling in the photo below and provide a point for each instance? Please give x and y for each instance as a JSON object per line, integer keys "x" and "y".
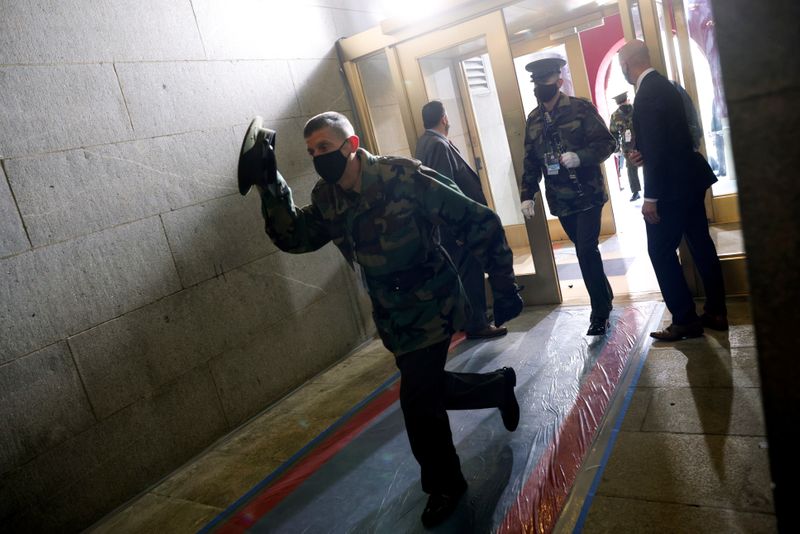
{"x": 536, "y": 15}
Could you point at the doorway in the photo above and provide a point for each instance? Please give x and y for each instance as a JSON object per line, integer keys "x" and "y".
{"x": 469, "y": 68}
{"x": 622, "y": 234}
{"x": 475, "y": 64}
{"x": 682, "y": 41}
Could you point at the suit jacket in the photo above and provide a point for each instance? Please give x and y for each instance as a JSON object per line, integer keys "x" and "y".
{"x": 437, "y": 152}
{"x": 672, "y": 168}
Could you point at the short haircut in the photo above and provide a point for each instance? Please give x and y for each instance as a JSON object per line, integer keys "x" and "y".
{"x": 432, "y": 113}
{"x": 330, "y": 119}
{"x": 635, "y": 52}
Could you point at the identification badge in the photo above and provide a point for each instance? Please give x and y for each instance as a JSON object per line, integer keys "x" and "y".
{"x": 628, "y": 136}
{"x": 552, "y": 164}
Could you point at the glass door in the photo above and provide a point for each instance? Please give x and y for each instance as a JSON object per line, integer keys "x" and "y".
{"x": 470, "y": 69}
{"x": 461, "y": 78}
{"x": 696, "y": 38}
{"x": 682, "y": 42}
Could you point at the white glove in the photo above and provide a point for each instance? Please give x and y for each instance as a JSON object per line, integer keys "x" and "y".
{"x": 570, "y": 160}
{"x": 528, "y": 208}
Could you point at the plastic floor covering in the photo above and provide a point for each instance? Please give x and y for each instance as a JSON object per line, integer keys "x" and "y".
{"x": 360, "y": 476}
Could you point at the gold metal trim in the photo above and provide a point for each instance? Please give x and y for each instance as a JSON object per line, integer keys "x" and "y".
{"x": 628, "y": 29}
{"x": 652, "y": 34}
{"x": 353, "y": 77}
{"x": 726, "y": 209}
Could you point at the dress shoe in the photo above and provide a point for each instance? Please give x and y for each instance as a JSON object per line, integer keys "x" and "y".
{"x": 676, "y": 332}
{"x": 509, "y": 410}
{"x": 441, "y": 505}
{"x": 634, "y": 196}
{"x": 598, "y": 327}
{"x": 489, "y": 331}
{"x": 714, "y": 322}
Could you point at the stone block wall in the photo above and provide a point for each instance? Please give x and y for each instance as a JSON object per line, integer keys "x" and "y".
{"x": 143, "y": 311}
{"x": 757, "y": 42}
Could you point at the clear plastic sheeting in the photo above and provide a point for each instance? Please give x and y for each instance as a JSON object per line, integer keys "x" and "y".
{"x": 361, "y": 476}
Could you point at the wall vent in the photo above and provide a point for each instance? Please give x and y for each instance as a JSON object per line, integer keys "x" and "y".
{"x": 477, "y": 79}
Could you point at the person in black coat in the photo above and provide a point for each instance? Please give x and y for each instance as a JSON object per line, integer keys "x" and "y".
{"x": 675, "y": 181}
{"x": 436, "y": 151}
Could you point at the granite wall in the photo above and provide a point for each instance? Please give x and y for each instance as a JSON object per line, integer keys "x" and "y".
{"x": 757, "y": 42}
{"x": 143, "y": 311}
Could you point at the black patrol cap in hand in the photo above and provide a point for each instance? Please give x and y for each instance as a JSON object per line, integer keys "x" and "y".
{"x": 257, "y": 163}
{"x": 620, "y": 98}
{"x": 542, "y": 69}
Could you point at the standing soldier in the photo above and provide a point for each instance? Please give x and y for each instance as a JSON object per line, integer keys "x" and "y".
{"x": 621, "y": 127}
{"x": 383, "y": 213}
{"x": 566, "y": 141}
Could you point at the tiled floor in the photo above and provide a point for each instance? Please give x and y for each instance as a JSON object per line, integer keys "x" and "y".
{"x": 690, "y": 457}
{"x": 691, "y": 454}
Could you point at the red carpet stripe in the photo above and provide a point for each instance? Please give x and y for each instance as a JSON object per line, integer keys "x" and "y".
{"x": 539, "y": 504}
{"x": 272, "y": 495}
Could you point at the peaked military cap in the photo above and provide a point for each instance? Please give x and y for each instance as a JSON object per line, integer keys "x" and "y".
{"x": 257, "y": 156}
{"x": 620, "y": 98}
{"x": 542, "y": 69}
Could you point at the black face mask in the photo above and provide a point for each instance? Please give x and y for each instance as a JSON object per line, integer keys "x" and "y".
{"x": 545, "y": 92}
{"x": 331, "y": 166}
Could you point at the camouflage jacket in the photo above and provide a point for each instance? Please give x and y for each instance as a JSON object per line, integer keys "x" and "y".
{"x": 391, "y": 229}
{"x": 621, "y": 121}
{"x": 582, "y": 131}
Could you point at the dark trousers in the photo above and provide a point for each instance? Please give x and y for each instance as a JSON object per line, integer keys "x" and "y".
{"x": 633, "y": 177}
{"x": 685, "y": 218}
{"x": 583, "y": 229}
{"x": 471, "y": 274}
{"x": 426, "y": 392}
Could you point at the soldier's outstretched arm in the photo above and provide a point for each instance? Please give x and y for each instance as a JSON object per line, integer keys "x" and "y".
{"x": 600, "y": 144}
{"x": 482, "y": 233}
{"x": 471, "y": 222}
{"x": 292, "y": 229}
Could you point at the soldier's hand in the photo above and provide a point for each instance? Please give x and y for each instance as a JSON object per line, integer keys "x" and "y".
{"x": 507, "y": 305}
{"x": 650, "y": 212}
{"x": 528, "y": 208}
{"x": 570, "y": 160}
{"x": 635, "y": 157}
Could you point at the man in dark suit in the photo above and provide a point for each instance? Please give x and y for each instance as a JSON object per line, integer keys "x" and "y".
{"x": 436, "y": 151}
{"x": 675, "y": 181}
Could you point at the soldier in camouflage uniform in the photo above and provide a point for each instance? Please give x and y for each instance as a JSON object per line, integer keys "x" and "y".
{"x": 621, "y": 127}
{"x": 383, "y": 213}
{"x": 566, "y": 141}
